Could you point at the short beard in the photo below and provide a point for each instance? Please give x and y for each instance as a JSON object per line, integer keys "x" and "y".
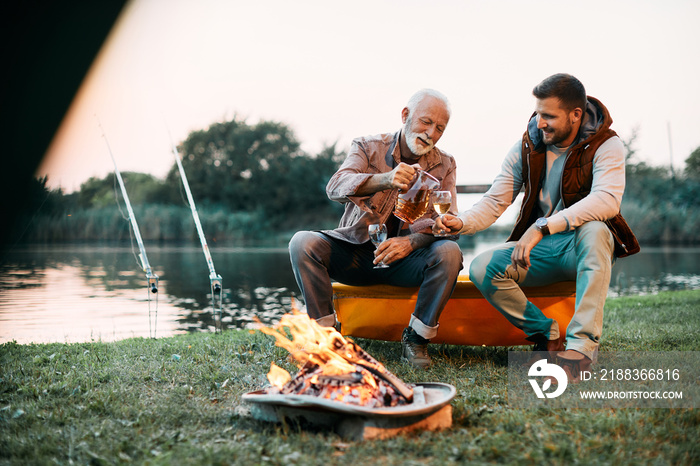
{"x": 558, "y": 138}
{"x": 411, "y": 141}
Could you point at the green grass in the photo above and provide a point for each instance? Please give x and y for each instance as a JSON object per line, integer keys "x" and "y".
{"x": 178, "y": 401}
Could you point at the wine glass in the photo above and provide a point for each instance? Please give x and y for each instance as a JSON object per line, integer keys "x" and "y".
{"x": 377, "y": 234}
{"x": 442, "y": 200}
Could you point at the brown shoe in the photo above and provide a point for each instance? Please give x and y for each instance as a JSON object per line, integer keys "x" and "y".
{"x": 574, "y": 363}
{"x": 414, "y": 349}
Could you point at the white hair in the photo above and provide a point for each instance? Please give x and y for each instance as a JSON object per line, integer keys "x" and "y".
{"x": 423, "y": 93}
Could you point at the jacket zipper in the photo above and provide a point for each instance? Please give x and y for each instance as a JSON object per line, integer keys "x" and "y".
{"x": 529, "y": 185}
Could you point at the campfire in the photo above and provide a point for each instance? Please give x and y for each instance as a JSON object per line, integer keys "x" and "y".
{"x": 332, "y": 367}
{"x": 341, "y": 387}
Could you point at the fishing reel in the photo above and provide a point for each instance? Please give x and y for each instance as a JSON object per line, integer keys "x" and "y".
{"x": 153, "y": 283}
{"x": 215, "y": 284}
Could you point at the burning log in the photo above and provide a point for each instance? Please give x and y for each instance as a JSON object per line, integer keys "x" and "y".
{"x": 332, "y": 367}
{"x": 341, "y": 387}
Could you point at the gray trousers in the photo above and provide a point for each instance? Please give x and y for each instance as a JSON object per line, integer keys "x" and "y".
{"x": 584, "y": 255}
{"x": 317, "y": 259}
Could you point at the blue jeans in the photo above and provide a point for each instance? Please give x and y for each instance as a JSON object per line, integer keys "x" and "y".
{"x": 317, "y": 259}
{"x": 584, "y": 255}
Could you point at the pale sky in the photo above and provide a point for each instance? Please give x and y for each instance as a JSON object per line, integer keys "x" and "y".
{"x": 335, "y": 70}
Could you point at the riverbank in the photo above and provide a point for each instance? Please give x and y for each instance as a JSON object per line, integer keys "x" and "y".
{"x": 178, "y": 401}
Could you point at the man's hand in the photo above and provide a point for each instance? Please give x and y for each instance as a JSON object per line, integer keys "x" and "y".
{"x": 400, "y": 177}
{"x": 521, "y": 253}
{"x": 393, "y": 249}
{"x": 447, "y": 224}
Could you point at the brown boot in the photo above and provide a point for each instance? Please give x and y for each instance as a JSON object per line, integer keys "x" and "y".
{"x": 574, "y": 363}
{"x": 415, "y": 349}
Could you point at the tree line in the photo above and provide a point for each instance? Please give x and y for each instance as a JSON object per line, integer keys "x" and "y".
{"x": 662, "y": 203}
{"x": 250, "y": 182}
{"x": 253, "y": 184}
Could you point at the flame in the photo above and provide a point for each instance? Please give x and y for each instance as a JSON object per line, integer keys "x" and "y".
{"x": 331, "y": 366}
{"x": 310, "y": 342}
{"x": 278, "y": 376}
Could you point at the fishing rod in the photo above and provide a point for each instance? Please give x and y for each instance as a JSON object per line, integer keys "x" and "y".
{"x": 214, "y": 278}
{"x": 151, "y": 278}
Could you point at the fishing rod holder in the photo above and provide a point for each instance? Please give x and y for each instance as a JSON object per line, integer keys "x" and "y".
{"x": 151, "y": 278}
{"x": 217, "y": 290}
{"x": 217, "y": 297}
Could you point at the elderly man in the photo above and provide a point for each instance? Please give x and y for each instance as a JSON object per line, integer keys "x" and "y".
{"x": 376, "y": 170}
{"x": 572, "y": 166}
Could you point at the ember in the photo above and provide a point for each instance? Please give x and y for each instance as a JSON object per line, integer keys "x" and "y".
{"x": 332, "y": 367}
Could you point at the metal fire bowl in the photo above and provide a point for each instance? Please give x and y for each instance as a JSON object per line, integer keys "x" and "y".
{"x": 429, "y": 398}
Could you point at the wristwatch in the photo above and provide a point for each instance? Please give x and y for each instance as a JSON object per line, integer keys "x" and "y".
{"x": 542, "y": 226}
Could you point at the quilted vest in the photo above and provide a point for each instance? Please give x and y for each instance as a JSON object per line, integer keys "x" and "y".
{"x": 576, "y": 181}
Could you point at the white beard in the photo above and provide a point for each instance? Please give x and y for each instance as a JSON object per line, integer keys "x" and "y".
{"x": 413, "y": 145}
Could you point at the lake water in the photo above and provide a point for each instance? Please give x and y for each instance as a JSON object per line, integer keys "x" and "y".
{"x": 83, "y": 293}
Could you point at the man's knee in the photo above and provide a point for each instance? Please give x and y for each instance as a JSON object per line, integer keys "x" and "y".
{"x": 449, "y": 255}
{"x": 594, "y": 229}
{"x": 594, "y": 235}
{"x": 302, "y": 242}
{"x": 477, "y": 269}
{"x": 489, "y": 265}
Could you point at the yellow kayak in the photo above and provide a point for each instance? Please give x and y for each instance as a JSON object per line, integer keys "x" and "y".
{"x": 381, "y": 312}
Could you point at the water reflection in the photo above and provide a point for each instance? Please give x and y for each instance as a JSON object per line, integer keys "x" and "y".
{"x": 656, "y": 269}
{"x": 79, "y": 293}
{"x": 76, "y": 293}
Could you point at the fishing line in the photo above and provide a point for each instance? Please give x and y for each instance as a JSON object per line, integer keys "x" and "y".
{"x": 125, "y": 217}
{"x": 151, "y": 278}
{"x": 214, "y": 278}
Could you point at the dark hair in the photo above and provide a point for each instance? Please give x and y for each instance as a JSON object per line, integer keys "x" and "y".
{"x": 566, "y": 88}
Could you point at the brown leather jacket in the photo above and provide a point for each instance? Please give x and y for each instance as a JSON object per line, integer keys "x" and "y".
{"x": 576, "y": 181}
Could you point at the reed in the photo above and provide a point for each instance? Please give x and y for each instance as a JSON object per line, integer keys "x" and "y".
{"x": 156, "y": 223}
{"x": 663, "y": 222}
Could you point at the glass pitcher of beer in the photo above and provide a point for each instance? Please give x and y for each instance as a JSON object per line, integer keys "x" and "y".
{"x": 411, "y": 205}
